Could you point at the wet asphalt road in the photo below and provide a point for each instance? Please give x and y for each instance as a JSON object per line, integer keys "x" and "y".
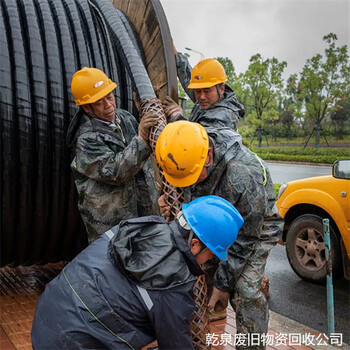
{"x": 281, "y": 172}
{"x": 305, "y": 302}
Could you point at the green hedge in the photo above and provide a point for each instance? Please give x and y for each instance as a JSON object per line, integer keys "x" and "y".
{"x": 324, "y": 151}
{"x": 298, "y": 154}
{"x": 300, "y": 158}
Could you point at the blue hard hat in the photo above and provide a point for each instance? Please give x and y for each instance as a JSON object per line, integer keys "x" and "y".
{"x": 215, "y": 221}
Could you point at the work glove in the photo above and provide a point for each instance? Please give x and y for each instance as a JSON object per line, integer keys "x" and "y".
{"x": 147, "y": 121}
{"x": 164, "y": 207}
{"x": 171, "y": 108}
{"x": 218, "y": 300}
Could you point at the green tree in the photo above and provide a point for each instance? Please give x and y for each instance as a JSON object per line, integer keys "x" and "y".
{"x": 287, "y": 107}
{"x": 287, "y": 121}
{"x": 322, "y": 82}
{"x": 185, "y": 102}
{"x": 229, "y": 70}
{"x": 258, "y": 88}
{"x": 293, "y": 102}
{"x": 341, "y": 118}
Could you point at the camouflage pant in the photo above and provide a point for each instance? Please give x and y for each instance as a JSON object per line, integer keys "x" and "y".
{"x": 249, "y": 303}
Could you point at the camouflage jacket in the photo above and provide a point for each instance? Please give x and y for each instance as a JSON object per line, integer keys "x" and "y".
{"x": 113, "y": 174}
{"x": 224, "y": 113}
{"x": 239, "y": 176}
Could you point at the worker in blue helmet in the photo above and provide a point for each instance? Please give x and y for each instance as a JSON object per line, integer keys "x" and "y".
{"x": 134, "y": 284}
{"x": 202, "y": 212}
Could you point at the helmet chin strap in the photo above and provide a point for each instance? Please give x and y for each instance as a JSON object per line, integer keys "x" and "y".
{"x": 189, "y": 245}
{"x": 219, "y": 94}
{"x": 92, "y": 113}
{"x": 183, "y": 223}
{"x": 209, "y": 166}
{"x": 190, "y": 239}
{"x": 202, "y": 251}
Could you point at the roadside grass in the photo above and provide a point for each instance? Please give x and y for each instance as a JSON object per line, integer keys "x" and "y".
{"x": 327, "y": 155}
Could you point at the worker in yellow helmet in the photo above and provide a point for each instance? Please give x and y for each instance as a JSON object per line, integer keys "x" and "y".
{"x": 215, "y": 102}
{"x": 208, "y": 161}
{"x": 113, "y": 175}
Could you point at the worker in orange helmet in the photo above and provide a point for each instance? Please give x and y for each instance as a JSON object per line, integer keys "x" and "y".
{"x": 113, "y": 175}
{"x": 216, "y": 104}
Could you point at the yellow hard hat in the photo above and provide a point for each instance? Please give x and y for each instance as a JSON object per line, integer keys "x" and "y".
{"x": 207, "y": 73}
{"x": 90, "y": 85}
{"x": 181, "y": 151}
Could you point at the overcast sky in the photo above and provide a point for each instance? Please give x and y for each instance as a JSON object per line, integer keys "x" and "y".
{"x": 290, "y": 30}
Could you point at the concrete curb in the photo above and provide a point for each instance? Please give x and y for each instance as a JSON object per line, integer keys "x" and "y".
{"x": 285, "y": 325}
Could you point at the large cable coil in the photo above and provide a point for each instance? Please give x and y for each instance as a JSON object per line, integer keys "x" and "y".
{"x": 43, "y": 42}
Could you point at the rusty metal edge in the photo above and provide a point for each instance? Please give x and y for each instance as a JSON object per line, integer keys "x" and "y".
{"x": 168, "y": 49}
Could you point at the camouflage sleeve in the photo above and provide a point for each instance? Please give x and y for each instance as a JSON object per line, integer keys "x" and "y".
{"x": 184, "y": 74}
{"x": 270, "y": 191}
{"x": 249, "y": 199}
{"x": 97, "y": 161}
{"x": 228, "y": 272}
{"x": 273, "y": 222}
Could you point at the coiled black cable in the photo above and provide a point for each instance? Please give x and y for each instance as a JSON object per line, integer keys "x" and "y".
{"x": 43, "y": 42}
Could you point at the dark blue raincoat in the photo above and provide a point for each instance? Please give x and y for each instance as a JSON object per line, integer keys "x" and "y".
{"x": 122, "y": 293}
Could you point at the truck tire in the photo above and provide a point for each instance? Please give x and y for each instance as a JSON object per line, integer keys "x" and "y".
{"x": 306, "y": 249}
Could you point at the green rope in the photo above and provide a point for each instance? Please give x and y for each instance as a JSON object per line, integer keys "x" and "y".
{"x": 109, "y": 330}
{"x": 264, "y": 169}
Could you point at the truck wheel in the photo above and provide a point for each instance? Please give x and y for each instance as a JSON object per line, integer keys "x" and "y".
{"x": 306, "y": 249}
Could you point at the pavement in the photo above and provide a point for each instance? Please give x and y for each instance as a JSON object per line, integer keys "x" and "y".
{"x": 21, "y": 286}
{"x": 285, "y": 325}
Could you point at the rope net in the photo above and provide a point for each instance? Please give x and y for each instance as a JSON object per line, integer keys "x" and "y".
{"x": 174, "y": 196}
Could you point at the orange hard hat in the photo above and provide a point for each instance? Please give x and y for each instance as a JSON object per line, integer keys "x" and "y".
{"x": 181, "y": 151}
{"x": 90, "y": 85}
{"x": 207, "y": 73}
